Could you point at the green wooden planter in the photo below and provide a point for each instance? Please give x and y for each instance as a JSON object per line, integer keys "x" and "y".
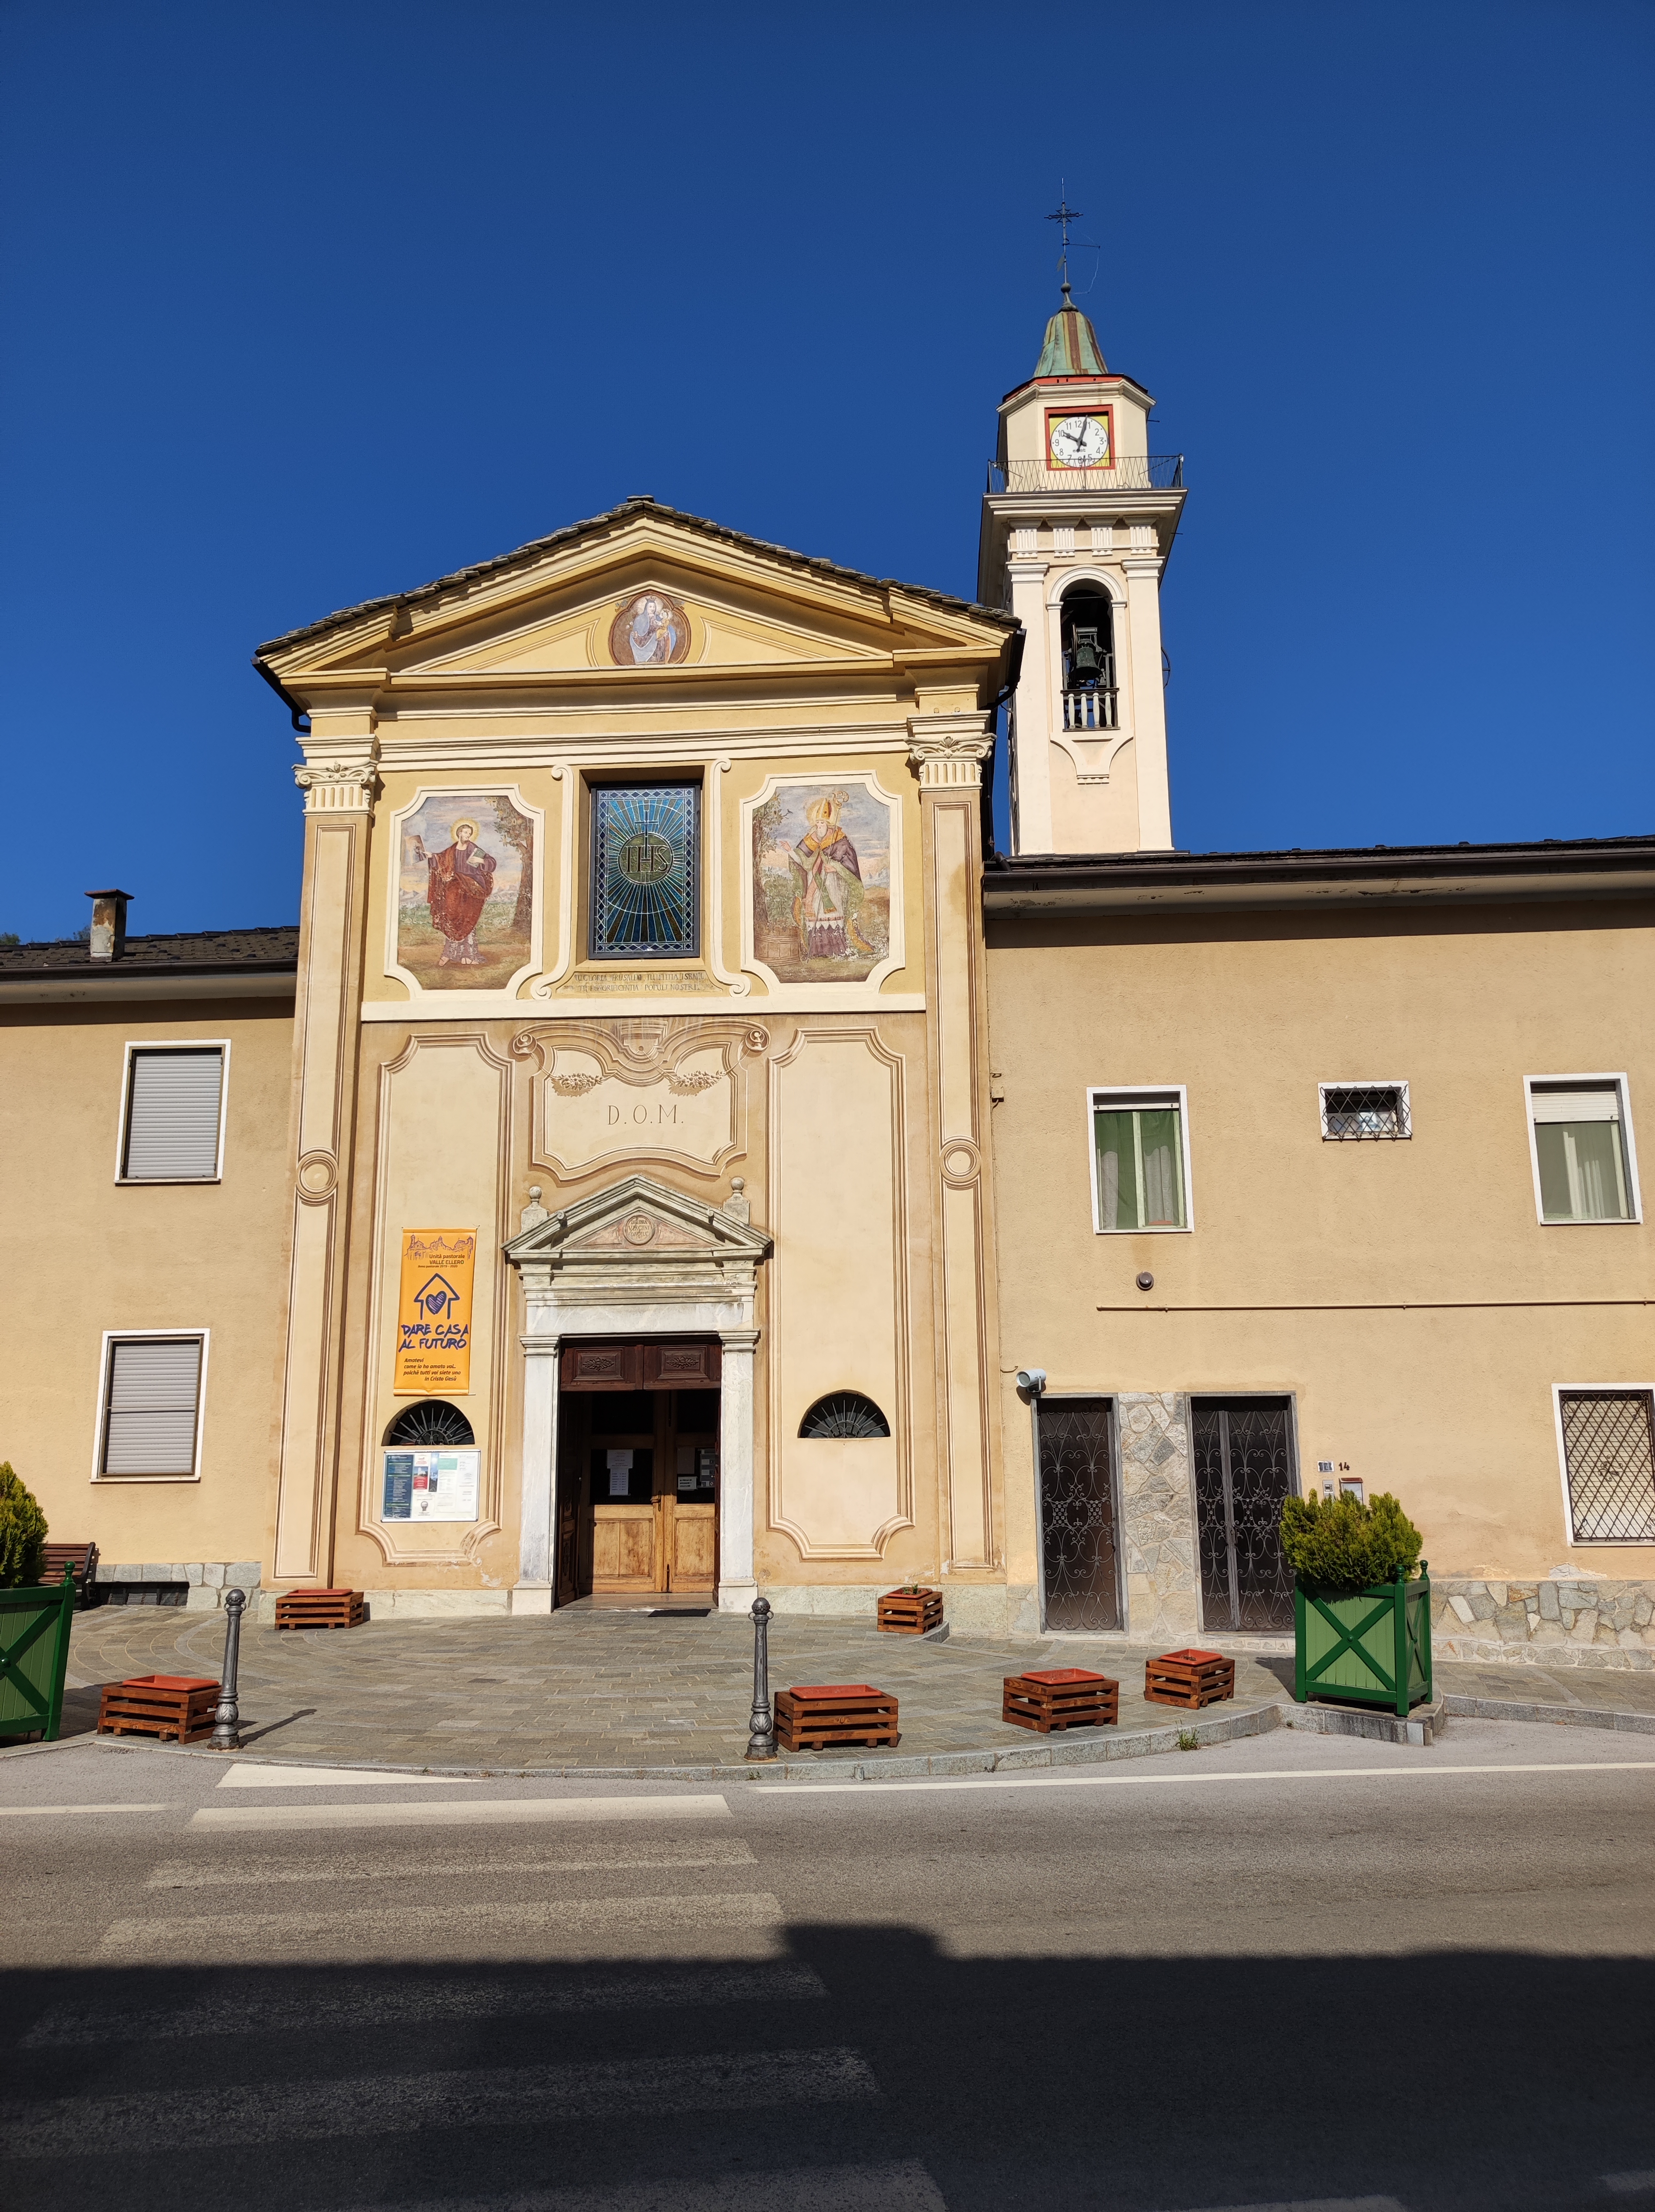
{"x": 34, "y": 1657}
{"x": 1374, "y": 1649}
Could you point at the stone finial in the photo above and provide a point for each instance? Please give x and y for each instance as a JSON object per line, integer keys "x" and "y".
{"x": 737, "y": 1206}
{"x": 534, "y": 1213}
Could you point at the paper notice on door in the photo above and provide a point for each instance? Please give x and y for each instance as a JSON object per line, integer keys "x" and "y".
{"x": 620, "y": 1464}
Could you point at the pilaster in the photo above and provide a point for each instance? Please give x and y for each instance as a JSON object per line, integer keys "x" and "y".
{"x": 1142, "y": 574}
{"x": 1031, "y": 709}
{"x": 946, "y": 752}
{"x": 737, "y": 1586}
{"x": 338, "y": 821}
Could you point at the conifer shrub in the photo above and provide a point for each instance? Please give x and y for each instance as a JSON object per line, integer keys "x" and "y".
{"x": 23, "y": 1530}
{"x": 1341, "y": 1545}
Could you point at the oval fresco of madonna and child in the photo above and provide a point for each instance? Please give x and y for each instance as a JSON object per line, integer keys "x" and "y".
{"x": 465, "y": 891}
{"x": 652, "y": 631}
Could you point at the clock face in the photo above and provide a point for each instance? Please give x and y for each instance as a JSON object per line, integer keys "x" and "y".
{"x": 1078, "y": 441}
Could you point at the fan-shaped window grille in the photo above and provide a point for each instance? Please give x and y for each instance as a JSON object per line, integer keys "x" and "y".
{"x": 844, "y": 1414}
{"x": 432, "y": 1421}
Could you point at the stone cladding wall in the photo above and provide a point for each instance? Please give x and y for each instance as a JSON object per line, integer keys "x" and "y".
{"x": 1574, "y": 1621}
{"x": 1158, "y": 1518}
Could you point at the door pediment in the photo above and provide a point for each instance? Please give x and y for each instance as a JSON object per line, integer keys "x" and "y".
{"x": 640, "y": 1233}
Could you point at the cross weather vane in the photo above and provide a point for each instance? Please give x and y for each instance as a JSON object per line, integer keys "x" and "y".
{"x": 1065, "y": 215}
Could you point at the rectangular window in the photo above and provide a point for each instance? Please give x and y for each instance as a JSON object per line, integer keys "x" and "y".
{"x": 173, "y": 1125}
{"x": 1583, "y": 1159}
{"x": 1607, "y": 1440}
{"x": 152, "y": 1404}
{"x": 1359, "y": 1112}
{"x": 1140, "y": 1162}
{"x": 645, "y": 871}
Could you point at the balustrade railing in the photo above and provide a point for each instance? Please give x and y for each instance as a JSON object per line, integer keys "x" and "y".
{"x": 1139, "y": 472}
{"x": 1091, "y": 707}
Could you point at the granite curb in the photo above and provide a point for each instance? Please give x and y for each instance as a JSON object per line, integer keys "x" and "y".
{"x": 1465, "y": 1707}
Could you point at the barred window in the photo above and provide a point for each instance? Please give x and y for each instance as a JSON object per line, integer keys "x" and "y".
{"x": 844, "y": 1414}
{"x": 1355, "y": 1113}
{"x": 1608, "y": 1461}
{"x": 152, "y": 1406}
{"x": 174, "y": 1095}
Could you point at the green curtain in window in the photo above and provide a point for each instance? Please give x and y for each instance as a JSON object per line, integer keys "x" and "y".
{"x": 1140, "y": 1167}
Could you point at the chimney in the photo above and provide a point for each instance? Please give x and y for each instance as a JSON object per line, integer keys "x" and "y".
{"x": 108, "y": 924}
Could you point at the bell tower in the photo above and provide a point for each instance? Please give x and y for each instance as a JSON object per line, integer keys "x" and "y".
{"x": 1078, "y": 522}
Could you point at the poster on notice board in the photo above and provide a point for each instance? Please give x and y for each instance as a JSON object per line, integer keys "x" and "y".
{"x": 431, "y": 1485}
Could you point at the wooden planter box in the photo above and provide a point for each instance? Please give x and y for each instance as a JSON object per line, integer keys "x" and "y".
{"x": 179, "y": 1706}
{"x": 34, "y": 1622}
{"x": 320, "y": 1608}
{"x": 911, "y": 1613}
{"x": 814, "y": 1718}
{"x": 1374, "y": 1649}
{"x": 1060, "y": 1697}
{"x": 1191, "y": 1679}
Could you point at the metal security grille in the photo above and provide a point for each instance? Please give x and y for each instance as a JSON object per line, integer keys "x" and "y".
{"x": 172, "y": 1116}
{"x": 1079, "y": 1558}
{"x": 1356, "y": 1112}
{"x": 1243, "y": 1471}
{"x": 433, "y": 1421}
{"x": 844, "y": 1414}
{"x": 1609, "y": 1448}
{"x": 150, "y": 1416}
{"x": 644, "y": 872}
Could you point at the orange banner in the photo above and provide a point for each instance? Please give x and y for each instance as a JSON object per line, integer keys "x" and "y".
{"x": 433, "y": 1323}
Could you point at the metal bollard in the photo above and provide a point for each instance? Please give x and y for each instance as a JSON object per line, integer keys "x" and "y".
{"x": 762, "y": 1743}
{"x": 227, "y": 1718}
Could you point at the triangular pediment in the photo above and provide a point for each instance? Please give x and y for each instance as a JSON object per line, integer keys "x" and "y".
{"x": 566, "y": 609}
{"x": 640, "y": 1221}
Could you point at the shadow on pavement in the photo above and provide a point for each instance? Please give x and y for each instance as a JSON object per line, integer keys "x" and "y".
{"x": 1447, "y": 2081}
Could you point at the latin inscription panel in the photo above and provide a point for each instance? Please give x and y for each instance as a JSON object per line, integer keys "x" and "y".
{"x": 587, "y": 1116}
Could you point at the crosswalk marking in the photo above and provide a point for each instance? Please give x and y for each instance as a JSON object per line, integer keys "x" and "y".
{"x": 411, "y": 2002}
{"x": 245, "y": 1777}
{"x": 902, "y": 2186}
{"x": 397, "y": 2103}
{"x": 425, "y": 1929}
{"x": 445, "y": 1813}
{"x": 255, "y": 1872}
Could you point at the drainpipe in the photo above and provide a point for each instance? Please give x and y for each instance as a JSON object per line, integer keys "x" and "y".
{"x": 1031, "y": 1381}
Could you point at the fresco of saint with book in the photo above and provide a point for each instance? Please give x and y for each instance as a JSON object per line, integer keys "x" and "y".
{"x": 821, "y": 883}
{"x": 465, "y": 893}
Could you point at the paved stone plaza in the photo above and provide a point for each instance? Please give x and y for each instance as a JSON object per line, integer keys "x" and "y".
{"x": 624, "y": 1690}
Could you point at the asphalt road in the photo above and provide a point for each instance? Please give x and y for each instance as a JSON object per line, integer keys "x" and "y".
{"x": 1291, "y": 1971}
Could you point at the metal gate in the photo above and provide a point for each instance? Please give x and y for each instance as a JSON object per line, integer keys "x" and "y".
{"x": 1079, "y": 1564}
{"x": 1244, "y": 1468}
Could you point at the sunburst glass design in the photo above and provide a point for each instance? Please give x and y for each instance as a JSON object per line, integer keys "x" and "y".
{"x": 644, "y": 871}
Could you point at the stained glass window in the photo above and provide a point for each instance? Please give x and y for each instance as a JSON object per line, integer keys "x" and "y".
{"x": 644, "y": 868}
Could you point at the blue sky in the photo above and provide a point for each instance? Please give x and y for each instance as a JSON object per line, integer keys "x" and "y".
{"x": 305, "y": 303}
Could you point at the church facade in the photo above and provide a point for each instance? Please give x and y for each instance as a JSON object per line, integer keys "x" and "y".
{"x": 676, "y": 1157}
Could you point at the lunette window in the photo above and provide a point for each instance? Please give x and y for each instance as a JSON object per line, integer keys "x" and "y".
{"x": 1360, "y": 1112}
{"x": 1583, "y": 1161}
{"x": 1609, "y": 1464}
{"x": 645, "y": 871}
{"x": 152, "y": 1406}
{"x": 1140, "y": 1171}
{"x": 174, "y": 1108}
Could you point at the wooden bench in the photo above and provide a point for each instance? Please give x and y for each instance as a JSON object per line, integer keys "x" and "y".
{"x": 1060, "y": 1697}
{"x": 1191, "y": 1679}
{"x": 910, "y": 1613}
{"x": 320, "y": 1608}
{"x": 80, "y": 1560}
{"x": 179, "y": 1706}
{"x": 815, "y": 1717}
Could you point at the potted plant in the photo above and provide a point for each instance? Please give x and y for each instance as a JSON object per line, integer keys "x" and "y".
{"x": 33, "y": 1619}
{"x": 1362, "y": 1601}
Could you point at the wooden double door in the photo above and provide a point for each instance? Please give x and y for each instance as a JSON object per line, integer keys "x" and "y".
{"x": 638, "y": 1469}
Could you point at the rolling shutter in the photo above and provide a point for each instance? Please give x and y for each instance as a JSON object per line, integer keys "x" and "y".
{"x": 173, "y": 1114}
{"x": 154, "y": 1385}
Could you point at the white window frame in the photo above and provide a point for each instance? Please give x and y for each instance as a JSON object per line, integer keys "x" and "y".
{"x": 1582, "y": 1082}
{"x": 1125, "y": 1096}
{"x": 1369, "y": 1082}
{"x": 113, "y": 1336}
{"x": 1587, "y": 1389}
{"x": 136, "y": 1045}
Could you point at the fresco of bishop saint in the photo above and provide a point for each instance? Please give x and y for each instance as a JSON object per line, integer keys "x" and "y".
{"x": 826, "y": 876}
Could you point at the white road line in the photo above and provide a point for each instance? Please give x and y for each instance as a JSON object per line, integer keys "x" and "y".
{"x": 427, "y": 1928}
{"x": 412, "y": 2001}
{"x": 254, "y": 1872}
{"x": 996, "y": 1782}
{"x": 1631, "y": 2185}
{"x": 905, "y": 2186}
{"x": 394, "y": 2103}
{"x": 71, "y": 1811}
{"x": 242, "y": 1776}
{"x": 484, "y": 1812}
{"x": 1319, "y": 2204}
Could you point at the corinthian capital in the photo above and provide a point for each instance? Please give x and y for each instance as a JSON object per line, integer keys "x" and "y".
{"x": 950, "y": 749}
{"x": 332, "y": 786}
